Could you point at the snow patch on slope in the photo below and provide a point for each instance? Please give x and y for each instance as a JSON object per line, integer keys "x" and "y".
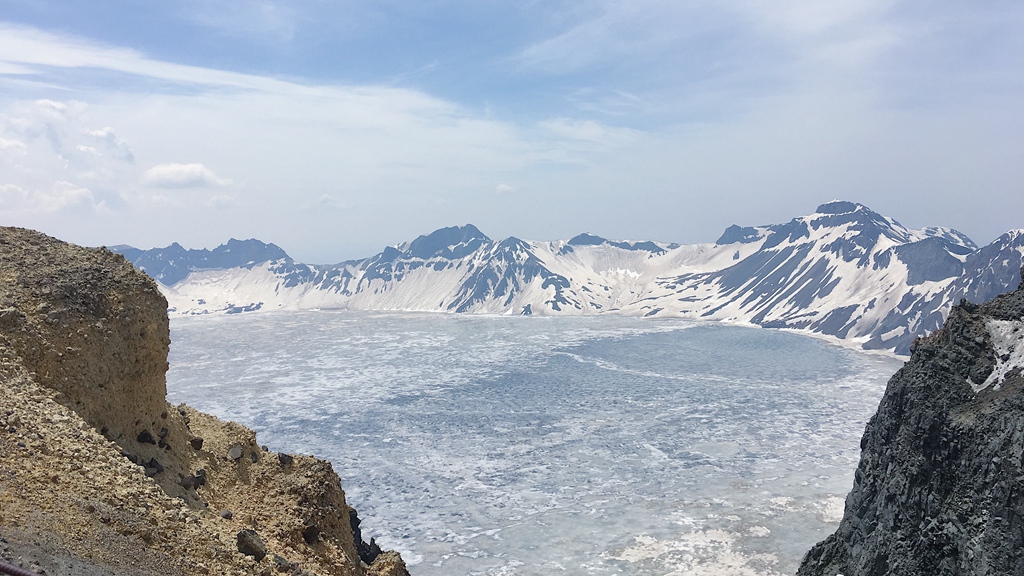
{"x": 1008, "y": 340}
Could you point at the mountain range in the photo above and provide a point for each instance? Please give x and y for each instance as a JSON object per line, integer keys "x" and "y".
{"x": 843, "y": 271}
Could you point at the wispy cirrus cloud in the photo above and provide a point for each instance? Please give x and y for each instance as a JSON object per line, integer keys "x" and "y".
{"x": 261, "y": 18}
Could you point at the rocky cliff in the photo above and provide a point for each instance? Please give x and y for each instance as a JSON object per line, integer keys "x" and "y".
{"x": 940, "y": 485}
{"x": 100, "y": 475}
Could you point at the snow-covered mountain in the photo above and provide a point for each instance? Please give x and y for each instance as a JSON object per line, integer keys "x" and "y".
{"x": 843, "y": 271}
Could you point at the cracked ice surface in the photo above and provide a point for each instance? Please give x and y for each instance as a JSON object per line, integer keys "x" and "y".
{"x": 595, "y": 445}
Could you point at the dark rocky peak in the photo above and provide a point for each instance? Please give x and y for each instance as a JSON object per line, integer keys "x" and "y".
{"x": 174, "y": 263}
{"x": 958, "y": 242}
{"x": 172, "y": 251}
{"x": 859, "y": 218}
{"x": 385, "y": 259}
{"x": 168, "y": 265}
{"x": 514, "y": 249}
{"x": 513, "y": 243}
{"x": 861, "y": 230}
{"x": 989, "y": 270}
{"x": 740, "y": 235}
{"x": 382, "y": 266}
{"x": 242, "y": 253}
{"x": 647, "y": 246}
{"x": 839, "y": 207}
{"x": 792, "y": 231}
{"x": 129, "y": 252}
{"x": 451, "y": 242}
{"x": 586, "y": 239}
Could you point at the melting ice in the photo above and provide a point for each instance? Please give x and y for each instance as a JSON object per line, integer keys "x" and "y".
{"x": 595, "y": 445}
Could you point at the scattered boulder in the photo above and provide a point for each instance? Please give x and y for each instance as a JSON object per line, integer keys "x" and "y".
{"x": 194, "y": 481}
{"x": 250, "y": 544}
{"x": 146, "y": 437}
{"x": 285, "y": 459}
{"x": 235, "y": 452}
{"x": 283, "y": 565}
{"x": 153, "y": 467}
{"x": 197, "y": 443}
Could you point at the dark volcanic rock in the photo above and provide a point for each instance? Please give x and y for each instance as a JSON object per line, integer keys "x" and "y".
{"x": 146, "y": 437}
{"x": 940, "y": 485}
{"x": 250, "y": 544}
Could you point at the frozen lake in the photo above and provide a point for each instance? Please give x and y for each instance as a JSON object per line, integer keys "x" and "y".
{"x": 510, "y": 445}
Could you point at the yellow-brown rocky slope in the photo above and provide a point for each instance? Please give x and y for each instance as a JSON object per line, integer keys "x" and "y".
{"x": 100, "y": 475}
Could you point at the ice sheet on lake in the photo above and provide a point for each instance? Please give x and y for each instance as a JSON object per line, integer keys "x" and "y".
{"x": 598, "y": 445}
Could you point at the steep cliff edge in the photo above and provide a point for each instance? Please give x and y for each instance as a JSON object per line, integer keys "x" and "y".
{"x": 100, "y": 475}
{"x": 940, "y": 485}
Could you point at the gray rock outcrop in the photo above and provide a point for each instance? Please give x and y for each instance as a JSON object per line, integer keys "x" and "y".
{"x": 940, "y": 485}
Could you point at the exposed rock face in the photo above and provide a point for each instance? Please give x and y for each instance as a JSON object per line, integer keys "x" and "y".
{"x": 940, "y": 485}
{"x": 100, "y": 475}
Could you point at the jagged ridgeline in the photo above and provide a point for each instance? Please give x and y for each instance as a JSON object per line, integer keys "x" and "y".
{"x": 99, "y": 475}
{"x": 940, "y": 486}
{"x": 843, "y": 271}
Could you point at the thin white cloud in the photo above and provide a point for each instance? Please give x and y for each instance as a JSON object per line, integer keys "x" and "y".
{"x": 46, "y": 103}
{"x": 260, "y": 18}
{"x": 12, "y": 197}
{"x": 113, "y": 144}
{"x": 811, "y": 17}
{"x": 65, "y": 194}
{"x": 193, "y": 175}
{"x": 328, "y": 203}
{"x": 220, "y": 201}
{"x": 590, "y": 131}
{"x": 12, "y": 145}
{"x": 613, "y": 32}
{"x": 60, "y": 197}
{"x": 37, "y": 50}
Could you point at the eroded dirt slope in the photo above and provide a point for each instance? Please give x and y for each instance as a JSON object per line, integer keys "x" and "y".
{"x": 100, "y": 475}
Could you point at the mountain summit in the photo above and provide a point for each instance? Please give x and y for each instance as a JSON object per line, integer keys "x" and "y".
{"x": 844, "y": 271}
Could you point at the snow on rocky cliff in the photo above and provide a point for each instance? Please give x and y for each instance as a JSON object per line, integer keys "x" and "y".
{"x": 843, "y": 271}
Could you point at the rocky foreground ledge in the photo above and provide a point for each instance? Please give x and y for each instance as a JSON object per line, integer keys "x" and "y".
{"x": 99, "y": 475}
{"x": 940, "y": 485}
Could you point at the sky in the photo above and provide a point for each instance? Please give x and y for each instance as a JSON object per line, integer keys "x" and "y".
{"x": 335, "y": 128}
